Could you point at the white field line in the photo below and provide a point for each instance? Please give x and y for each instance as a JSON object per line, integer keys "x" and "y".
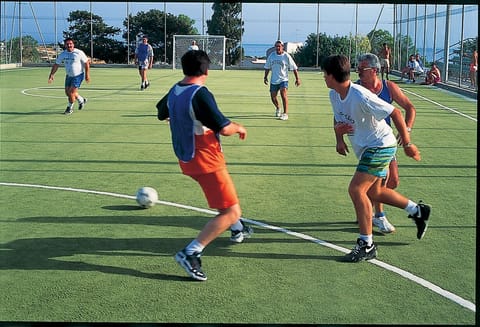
{"x": 455, "y": 298}
{"x": 441, "y": 105}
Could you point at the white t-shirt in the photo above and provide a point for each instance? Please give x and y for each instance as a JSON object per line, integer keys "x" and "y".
{"x": 279, "y": 65}
{"x": 366, "y": 112}
{"x": 74, "y": 61}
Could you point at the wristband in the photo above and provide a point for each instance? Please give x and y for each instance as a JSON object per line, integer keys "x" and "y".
{"x": 407, "y": 145}
{"x": 409, "y": 129}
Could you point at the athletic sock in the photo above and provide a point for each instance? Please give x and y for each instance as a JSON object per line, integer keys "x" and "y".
{"x": 379, "y": 214}
{"x": 367, "y": 238}
{"x": 193, "y": 247}
{"x": 70, "y": 105}
{"x": 80, "y": 99}
{"x": 411, "y": 208}
{"x": 238, "y": 226}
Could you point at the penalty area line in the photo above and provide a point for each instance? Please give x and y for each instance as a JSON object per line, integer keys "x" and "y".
{"x": 405, "y": 274}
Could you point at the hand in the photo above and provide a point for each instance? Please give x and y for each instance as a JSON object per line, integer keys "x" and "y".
{"x": 242, "y": 132}
{"x": 412, "y": 151}
{"x": 265, "y": 81}
{"x": 50, "y": 79}
{"x": 297, "y": 82}
{"x": 342, "y": 148}
{"x": 343, "y": 128}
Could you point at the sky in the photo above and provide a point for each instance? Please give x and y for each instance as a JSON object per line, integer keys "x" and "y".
{"x": 261, "y": 19}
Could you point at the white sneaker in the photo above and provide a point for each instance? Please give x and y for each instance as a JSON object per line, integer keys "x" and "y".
{"x": 383, "y": 224}
{"x": 277, "y": 112}
{"x": 283, "y": 116}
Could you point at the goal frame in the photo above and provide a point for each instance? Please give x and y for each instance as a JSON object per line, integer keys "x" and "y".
{"x": 204, "y": 42}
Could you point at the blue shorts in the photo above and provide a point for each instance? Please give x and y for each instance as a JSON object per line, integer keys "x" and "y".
{"x": 74, "y": 81}
{"x": 277, "y": 87}
{"x": 375, "y": 161}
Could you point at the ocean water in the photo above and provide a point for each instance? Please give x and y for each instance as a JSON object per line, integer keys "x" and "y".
{"x": 260, "y": 50}
{"x": 256, "y": 50}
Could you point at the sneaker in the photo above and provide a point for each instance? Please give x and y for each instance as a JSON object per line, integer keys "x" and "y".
{"x": 80, "y": 105}
{"x": 421, "y": 218}
{"x": 283, "y": 116}
{"x": 68, "y": 111}
{"x": 142, "y": 86}
{"x": 361, "y": 252}
{"x": 147, "y": 84}
{"x": 192, "y": 264}
{"x": 383, "y": 224}
{"x": 407, "y": 82}
{"x": 277, "y": 112}
{"x": 239, "y": 235}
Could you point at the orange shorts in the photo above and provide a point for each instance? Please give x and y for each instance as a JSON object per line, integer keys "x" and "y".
{"x": 218, "y": 189}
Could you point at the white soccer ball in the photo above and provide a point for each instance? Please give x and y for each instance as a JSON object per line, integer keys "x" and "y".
{"x": 146, "y": 197}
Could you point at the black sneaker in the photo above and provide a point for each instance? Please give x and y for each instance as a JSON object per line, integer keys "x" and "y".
{"x": 421, "y": 218}
{"x": 68, "y": 111}
{"x": 192, "y": 264}
{"x": 142, "y": 86}
{"x": 361, "y": 252}
{"x": 239, "y": 235}
{"x": 80, "y": 105}
{"x": 147, "y": 84}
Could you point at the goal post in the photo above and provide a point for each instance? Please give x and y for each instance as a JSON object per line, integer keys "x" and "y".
{"x": 213, "y": 45}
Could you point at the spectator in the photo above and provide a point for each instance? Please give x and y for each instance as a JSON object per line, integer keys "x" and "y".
{"x": 473, "y": 69}
{"x": 433, "y": 76}
{"x": 385, "y": 53}
{"x": 412, "y": 68}
{"x": 193, "y": 46}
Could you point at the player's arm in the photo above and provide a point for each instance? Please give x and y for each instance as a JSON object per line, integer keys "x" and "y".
{"x": 297, "y": 78}
{"x": 404, "y": 102}
{"x": 265, "y": 77}
{"x": 162, "y": 108}
{"x": 52, "y": 72}
{"x": 87, "y": 70}
{"x": 206, "y": 110}
{"x": 150, "y": 57}
{"x": 341, "y": 129}
{"x": 409, "y": 148}
{"x": 234, "y": 128}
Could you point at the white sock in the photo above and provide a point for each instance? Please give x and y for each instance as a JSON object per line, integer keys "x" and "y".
{"x": 367, "y": 238}
{"x": 70, "y": 105}
{"x": 411, "y": 208}
{"x": 193, "y": 247}
{"x": 80, "y": 99}
{"x": 238, "y": 226}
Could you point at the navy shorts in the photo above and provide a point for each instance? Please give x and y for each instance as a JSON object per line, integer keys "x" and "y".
{"x": 277, "y": 87}
{"x": 74, "y": 81}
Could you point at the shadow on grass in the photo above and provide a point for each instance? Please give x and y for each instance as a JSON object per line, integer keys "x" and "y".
{"x": 61, "y": 253}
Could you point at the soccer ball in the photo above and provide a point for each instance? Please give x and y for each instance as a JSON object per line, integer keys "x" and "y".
{"x": 146, "y": 197}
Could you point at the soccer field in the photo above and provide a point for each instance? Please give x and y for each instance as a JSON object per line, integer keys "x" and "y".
{"x": 75, "y": 246}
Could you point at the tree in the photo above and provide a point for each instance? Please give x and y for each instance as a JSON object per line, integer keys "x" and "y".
{"x": 29, "y": 50}
{"x": 306, "y": 56}
{"x": 152, "y": 24}
{"x": 105, "y": 46}
{"x": 226, "y": 21}
{"x": 378, "y": 38}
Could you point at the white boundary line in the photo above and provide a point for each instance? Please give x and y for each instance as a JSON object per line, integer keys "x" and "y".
{"x": 440, "y": 105}
{"x": 455, "y": 298}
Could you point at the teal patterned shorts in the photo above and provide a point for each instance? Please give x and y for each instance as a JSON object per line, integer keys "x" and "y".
{"x": 375, "y": 161}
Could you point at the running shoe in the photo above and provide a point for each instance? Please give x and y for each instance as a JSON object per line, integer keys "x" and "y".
{"x": 192, "y": 264}
{"x": 361, "y": 252}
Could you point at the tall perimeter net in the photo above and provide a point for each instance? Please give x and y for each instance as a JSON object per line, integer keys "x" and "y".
{"x": 213, "y": 45}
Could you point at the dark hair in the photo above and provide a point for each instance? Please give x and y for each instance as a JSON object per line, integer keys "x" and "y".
{"x": 195, "y": 63}
{"x": 68, "y": 39}
{"x": 338, "y": 66}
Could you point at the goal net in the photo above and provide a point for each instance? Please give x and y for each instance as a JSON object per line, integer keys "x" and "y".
{"x": 213, "y": 45}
